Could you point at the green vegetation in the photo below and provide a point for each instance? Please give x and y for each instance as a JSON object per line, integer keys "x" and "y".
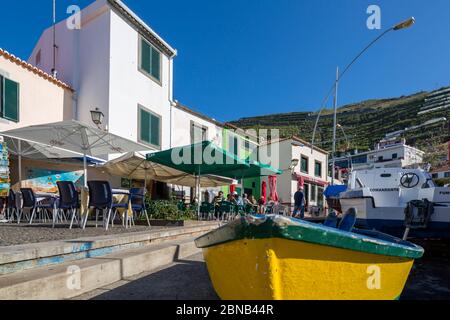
{"x": 168, "y": 210}
{"x": 365, "y": 124}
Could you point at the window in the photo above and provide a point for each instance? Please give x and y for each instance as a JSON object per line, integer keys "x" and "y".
{"x": 247, "y": 145}
{"x": 149, "y": 127}
{"x": 313, "y": 193}
{"x": 320, "y": 191}
{"x": 306, "y": 194}
{"x": 198, "y": 133}
{"x": 149, "y": 60}
{"x": 447, "y": 175}
{"x": 386, "y": 175}
{"x": 318, "y": 169}
{"x": 435, "y": 176}
{"x": 233, "y": 145}
{"x": 304, "y": 164}
{"x": 380, "y": 159}
{"x": 9, "y": 99}
{"x": 395, "y": 156}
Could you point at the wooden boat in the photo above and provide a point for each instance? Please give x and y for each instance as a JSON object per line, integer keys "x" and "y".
{"x": 278, "y": 258}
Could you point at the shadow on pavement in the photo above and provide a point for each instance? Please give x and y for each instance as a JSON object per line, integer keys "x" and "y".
{"x": 186, "y": 280}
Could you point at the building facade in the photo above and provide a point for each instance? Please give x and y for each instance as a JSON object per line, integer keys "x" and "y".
{"x": 118, "y": 65}
{"x": 301, "y": 164}
{"x": 29, "y": 96}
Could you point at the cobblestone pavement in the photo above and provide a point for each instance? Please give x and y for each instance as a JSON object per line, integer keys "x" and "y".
{"x": 13, "y": 234}
{"x": 189, "y": 280}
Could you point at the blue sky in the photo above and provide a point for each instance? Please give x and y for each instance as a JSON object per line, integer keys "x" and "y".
{"x": 251, "y": 57}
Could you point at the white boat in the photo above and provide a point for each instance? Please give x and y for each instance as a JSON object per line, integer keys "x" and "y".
{"x": 392, "y": 199}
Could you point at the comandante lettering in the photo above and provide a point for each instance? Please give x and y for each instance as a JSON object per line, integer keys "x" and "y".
{"x": 385, "y": 190}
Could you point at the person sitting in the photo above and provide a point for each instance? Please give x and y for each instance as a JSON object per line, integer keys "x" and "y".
{"x": 239, "y": 200}
{"x": 218, "y": 199}
{"x": 279, "y": 208}
{"x": 270, "y": 204}
{"x": 261, "y": 206}
{"x": 252, "y": 201}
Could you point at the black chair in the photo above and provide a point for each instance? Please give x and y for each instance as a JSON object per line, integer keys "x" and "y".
{"x": 101, "y": 198}
{"x": 207, "y": 210}
{"x": 68, "y": 200}
{"x": 137, "y": 198}
{"x": 11, "y": 207}
{"x": 36, "y": 208}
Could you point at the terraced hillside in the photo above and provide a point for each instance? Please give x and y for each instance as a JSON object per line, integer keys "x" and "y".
{"x": 365, "y": 123}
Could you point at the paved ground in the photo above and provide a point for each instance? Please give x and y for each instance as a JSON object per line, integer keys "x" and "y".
{"x": 189, "y": 280}
{"x": 184, "y": 280}
{"x": 13, "y": 234}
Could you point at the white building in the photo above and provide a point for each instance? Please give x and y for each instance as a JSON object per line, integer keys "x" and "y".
{"x": 393, "y": 153}
{"x": 118, "y": 65}
{"x": 299, "y": 161}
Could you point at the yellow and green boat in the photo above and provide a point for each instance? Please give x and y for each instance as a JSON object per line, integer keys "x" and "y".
{"x": 278, "y": 258}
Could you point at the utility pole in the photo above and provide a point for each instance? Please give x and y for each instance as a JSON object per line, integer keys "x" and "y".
{"x": 335, "y": 100}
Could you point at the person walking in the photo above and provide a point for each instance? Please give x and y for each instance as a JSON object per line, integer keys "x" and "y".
{"x": 299, "y": 204}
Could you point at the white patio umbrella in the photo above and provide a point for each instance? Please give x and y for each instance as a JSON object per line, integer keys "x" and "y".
{"x": 76, "y": 137}
{"x": 31, "y": 150}
{"x": 134, "y": 165}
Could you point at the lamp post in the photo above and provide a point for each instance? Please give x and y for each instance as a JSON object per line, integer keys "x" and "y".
{"x": 402, "y": 25}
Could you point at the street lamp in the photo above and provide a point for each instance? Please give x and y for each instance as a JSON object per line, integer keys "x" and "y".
{"x": 402, "y": 25}
{"x": 97, "y": 116}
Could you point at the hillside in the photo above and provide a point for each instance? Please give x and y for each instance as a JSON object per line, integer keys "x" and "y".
{"x": 367, "y": 122}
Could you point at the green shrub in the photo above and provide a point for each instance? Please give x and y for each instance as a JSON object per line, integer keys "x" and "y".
{"x": 442, "y": 182}
{"x": 168, "y": 210}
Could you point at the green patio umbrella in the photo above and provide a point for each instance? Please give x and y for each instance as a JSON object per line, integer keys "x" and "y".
{"x": 256, "y": 169}
{"x": 199, "y": 159}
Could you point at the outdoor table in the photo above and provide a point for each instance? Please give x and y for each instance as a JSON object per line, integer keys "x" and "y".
{"x": 41, "y": 196}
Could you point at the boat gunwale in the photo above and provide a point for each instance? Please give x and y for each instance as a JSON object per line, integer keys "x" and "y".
{"x": 273, "y": 226}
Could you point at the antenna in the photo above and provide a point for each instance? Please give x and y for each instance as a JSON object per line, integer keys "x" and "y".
{"x": 54, "y": 72}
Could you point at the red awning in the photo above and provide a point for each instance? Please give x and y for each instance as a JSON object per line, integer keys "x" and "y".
{"x": 315, "y": 181}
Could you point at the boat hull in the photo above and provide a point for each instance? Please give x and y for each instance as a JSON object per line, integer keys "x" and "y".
{"x": 390, "y": 220}
{"x": 280, "y": 269}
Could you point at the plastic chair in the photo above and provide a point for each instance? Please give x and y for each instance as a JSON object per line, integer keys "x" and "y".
{"x": 207, "y": 209}
{"x": 68, "y": 200}
{"x": 348, "y": 220}
{"x": 11, "y": 207}
{"x": 249, "y": 209}
{"x": 137, "y": 198}
{"x": 225, "y": 210}
{"x": 36, "y": 208}
{"x": 101, "y": 198}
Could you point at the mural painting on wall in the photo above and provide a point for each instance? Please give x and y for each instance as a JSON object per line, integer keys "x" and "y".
{"x": 5, "y": 182}
{"x": 43, "y": 180}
